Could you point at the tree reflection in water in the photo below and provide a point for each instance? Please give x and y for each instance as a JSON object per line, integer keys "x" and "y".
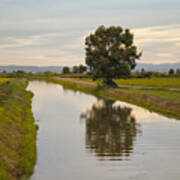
{"x": 110, "y": 130}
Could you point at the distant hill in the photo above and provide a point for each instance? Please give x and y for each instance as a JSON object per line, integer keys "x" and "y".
{"x": 58, "y": 69}
{"x": 157, "y": 67}
{"x": 34, "y": 69}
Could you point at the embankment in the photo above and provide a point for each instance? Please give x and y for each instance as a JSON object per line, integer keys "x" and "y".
{"x": 17, "y": 131}
{"x": 161, "y": 105}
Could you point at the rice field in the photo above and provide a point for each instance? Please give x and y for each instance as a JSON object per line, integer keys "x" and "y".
{"x": 2, "y": 80}
{"x": 152, "y": 82}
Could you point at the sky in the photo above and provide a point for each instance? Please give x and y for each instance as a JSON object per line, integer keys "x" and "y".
{"x": 52, "y": 32}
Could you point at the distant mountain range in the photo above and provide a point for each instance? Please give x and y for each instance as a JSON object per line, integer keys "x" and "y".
{"x": 58, "y": 69}
{"x": 34, "y": 69}
{"x": 157, "y": 67}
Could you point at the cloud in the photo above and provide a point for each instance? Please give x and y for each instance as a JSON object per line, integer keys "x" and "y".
{"x": 12, "y": 42}
{"x": 160, "y": 44}
{"x": 42, "y": 49}
{"x": 52, "y": 32}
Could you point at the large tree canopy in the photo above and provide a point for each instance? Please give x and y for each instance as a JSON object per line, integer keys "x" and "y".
{"x": 111, "y": 53}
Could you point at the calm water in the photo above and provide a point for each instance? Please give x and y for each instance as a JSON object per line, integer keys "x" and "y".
{"x": 84, "y": 138}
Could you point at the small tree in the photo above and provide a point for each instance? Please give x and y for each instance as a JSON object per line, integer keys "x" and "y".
{"x": 79, "y": 69}
{"x": 110, "y": 53}
{"x": 66, "y": 70}
{"x": 178, "y": 72}
{"x": 171, "y": 72}
{"x": 142, "y": 71}
{"x": 82, "y": 68}
{"x": 19, "y": 73}
{"x": 75, "y": 69}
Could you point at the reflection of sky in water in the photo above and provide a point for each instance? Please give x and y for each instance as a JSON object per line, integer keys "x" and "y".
{"x": 68, "y": 147}
{"x": 141, "y": 114}
{"x": 51, "y": 32}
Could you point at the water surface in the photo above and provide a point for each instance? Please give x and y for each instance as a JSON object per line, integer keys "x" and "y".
{"x": 82, "y": 137}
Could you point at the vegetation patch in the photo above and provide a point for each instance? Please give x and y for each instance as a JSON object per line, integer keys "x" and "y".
{"x": 2, "y": 80}
{"x": 17, "y": 131}
{"x": 151, "y": 82}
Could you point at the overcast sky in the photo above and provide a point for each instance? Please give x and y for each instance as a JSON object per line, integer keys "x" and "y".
{"x": 52, "y": 32}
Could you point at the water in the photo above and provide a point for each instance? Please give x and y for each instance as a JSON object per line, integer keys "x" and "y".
{"x": 82, "y": 137}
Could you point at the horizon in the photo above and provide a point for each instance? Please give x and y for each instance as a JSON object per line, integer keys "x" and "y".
{"x": 51, "y": 33}
{"x": 138, "y": 63}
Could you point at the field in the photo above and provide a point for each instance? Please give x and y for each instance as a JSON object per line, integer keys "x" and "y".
{"x": 172, "y": 82}
{"x": 152, "y": 82}
{"x": 2, "y": 80}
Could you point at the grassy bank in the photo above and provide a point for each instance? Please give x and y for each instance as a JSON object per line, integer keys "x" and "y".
{"x": 17, "y": 131}
{"x": 168, "y": 82}
{"x": 162, "y": 101}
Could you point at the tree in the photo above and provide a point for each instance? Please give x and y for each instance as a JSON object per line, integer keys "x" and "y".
{"x": 110, "y": 53}
{"x": 82, "y": 68}
{"x": 178, "y": 72}
{"x": 19, "y": 73}
{"x": 66, "y": 70}
{"x": 171, "y": 72}
{"x": 79, "y": 69}
{"x": 142, "y": 71}
{"x": 75, "y": 69}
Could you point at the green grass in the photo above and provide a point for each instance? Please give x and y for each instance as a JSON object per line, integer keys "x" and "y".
{"x": 17, "y": 131}
{"x": 152, "y": 82}
{"x": 168, "y": 82}
{"x": 164, "y": 94}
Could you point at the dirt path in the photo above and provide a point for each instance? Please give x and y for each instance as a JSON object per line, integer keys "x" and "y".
{"x": 75, "y": 81}
{"x": 119, "y": 86}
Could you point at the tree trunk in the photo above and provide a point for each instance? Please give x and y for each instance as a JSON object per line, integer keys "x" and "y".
{"x": 109, "y": 82}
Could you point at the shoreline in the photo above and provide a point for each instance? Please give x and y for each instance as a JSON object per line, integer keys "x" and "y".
{"x": 162, "y": 106}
